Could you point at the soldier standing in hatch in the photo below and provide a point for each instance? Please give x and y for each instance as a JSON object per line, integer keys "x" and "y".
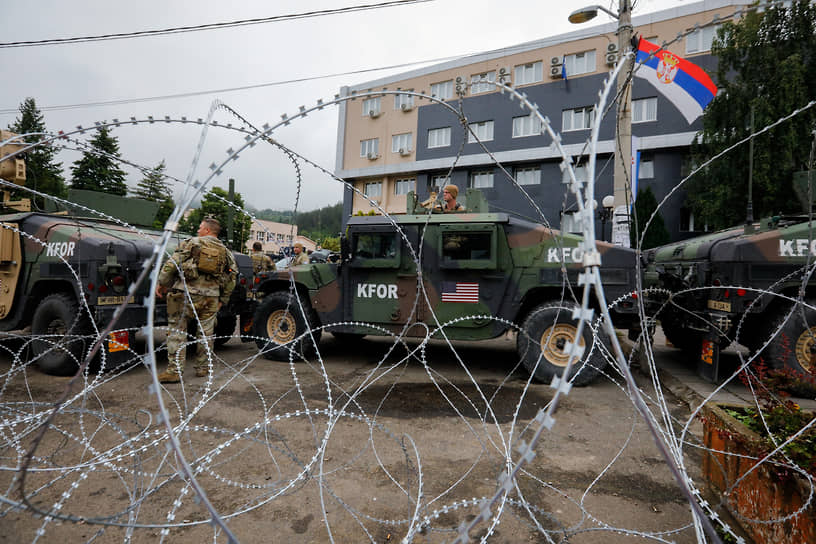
{"x": 260, "y": 260}
{"x": 449, "y": 194}
{"x": 207, "y": 279}
{"x": 300, "y": 256}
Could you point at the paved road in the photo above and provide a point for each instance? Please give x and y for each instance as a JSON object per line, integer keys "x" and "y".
{"x": 411, "y": 431}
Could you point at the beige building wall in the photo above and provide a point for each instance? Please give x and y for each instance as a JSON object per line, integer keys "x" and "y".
{"x": 273, "y": 236}
{"x": 358, "y": 125}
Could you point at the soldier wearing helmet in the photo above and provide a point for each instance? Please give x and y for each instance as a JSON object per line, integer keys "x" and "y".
{"x": 260, "y": 260}
{"x": 198, "y": 279}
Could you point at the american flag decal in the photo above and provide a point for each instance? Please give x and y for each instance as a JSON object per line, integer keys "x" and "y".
{"x": 460, "y": 292}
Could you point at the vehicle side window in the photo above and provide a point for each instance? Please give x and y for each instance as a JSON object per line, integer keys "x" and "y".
{"x": 468, "y": 248}
{"x": 375, "y": 249}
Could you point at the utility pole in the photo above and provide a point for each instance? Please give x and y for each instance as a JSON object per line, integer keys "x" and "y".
{"x": 623, "y": 140}
{"x": 230, "y": 214}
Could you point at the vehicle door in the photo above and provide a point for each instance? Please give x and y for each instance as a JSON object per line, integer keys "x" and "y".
{"x": 380, "y": 283}
{"x": 469, "y": 275}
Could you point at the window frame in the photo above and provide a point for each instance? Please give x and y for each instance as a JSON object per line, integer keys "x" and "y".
{"x": 521, "y": 169}
{"x": 475, "y": 127}
{"x": 375, "y": 262}
{"x": 570, "y": 62}
{"x": 533, "y": 122}
{"x": 367, "y": 106}
{"x": 445, "y": 83}
{"x": 445, "y": 181}
{"x": 365, "y": 145}
{"x": 441, "y": 130}
{"x": 402, "y": 98}
{"x": 537, "y": 69}
{"x": 411, "y": 185}
{"x": 583, "y": 109}
{"x": 368, "y": 184}
{"x": 478, "y": 173}
{"x": 700, "y": 38}
{"x": 395, "y": 138}
{"x": 641, "y": 106}
{"x": 483, "y": 82}
{"x": 468, "y": 264}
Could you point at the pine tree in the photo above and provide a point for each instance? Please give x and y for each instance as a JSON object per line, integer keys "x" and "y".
{"x": 766, "y": 64}
{"x": 645, "y": 207}
{"x": 43, "y": 173}
{"x": 153, "y": 186}
{"x": 98, "y": 170}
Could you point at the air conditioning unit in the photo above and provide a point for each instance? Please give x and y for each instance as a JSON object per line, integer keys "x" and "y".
{"x": 406, "y": 107}
{"x": 405, "y": 151}
{"x": 373, "y": 114}
{"x": 555, "y": 61}
{"x": 555, "y": 72}
{"x": 372, "y": 156}
{"x": 612, "y": 48}
{"x": 611, "y": 59}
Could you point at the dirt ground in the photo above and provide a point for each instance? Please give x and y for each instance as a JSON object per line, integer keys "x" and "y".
{"x": 356, "y": 447}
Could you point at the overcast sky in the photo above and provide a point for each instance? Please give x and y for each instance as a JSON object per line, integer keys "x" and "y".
{"x": 254, "y": 55}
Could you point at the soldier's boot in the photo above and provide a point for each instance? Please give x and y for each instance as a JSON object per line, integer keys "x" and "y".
{"x": 169, "y": 377}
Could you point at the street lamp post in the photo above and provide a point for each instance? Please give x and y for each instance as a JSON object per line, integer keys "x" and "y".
{"x": 605, "y": 213}
{"x": 623, "y": 129}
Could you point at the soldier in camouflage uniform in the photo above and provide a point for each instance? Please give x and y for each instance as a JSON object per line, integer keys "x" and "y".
{"x": 207, "y": 278}
{"x": 300, "y": 256}
{"x": 260, "y": 260}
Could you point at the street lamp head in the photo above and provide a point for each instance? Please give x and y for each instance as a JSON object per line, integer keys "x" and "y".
{"x": 587, "y": 14}
{"x": 608, "y": 201}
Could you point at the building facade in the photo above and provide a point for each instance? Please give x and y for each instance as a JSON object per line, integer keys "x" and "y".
{"x": 272, "y": 236}
{"x": 390, "y": 143}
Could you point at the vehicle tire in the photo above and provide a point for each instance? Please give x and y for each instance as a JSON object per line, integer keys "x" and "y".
{"x": 544, "y": 333}
{"x": 277, "y": 322}
{"x": 224, "y": 329}
{"x": 794, "y": 346}
{"x": 65, "y": 329}
{"x": 689, "y": 341}
{"x": 347, "y": 337}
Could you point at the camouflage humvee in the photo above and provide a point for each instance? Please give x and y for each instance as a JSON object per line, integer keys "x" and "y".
{"x": 740, "y": 285}
{"x": 480, "y": 274}
{"x": 49, "y": 263}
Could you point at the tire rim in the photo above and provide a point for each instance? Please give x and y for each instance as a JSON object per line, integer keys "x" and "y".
{"x": 553, "y": 341}
{"x": 806, "y": 350}
{"x": 281, "y": 327}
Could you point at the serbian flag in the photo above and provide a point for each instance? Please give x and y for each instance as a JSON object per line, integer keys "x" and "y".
{"x": 685, "y": 84}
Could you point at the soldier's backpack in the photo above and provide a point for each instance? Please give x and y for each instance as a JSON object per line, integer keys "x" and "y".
{"x": 210, "y": 260}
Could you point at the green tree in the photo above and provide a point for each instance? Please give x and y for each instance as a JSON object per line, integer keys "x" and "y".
{"x": 154, "y": 187}
{"x": 215, "y": 203}
{"x": 98, "y": 168}
{"x": 766, "y": 64}
{"x": 332, "y": 243}
{"x": 645, "y": 207}
{"x": 43, "y": 173}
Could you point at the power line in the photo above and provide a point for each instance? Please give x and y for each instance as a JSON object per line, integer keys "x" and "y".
{"x": 211, "y": 26}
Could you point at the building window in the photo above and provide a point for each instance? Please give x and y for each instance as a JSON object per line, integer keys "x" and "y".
{"x": 700, "y": 40}
{"x": 577, "y": 119}
{"x": 481, "y": 180}
{"x": 528, "y": 73}
{"x": 402, "y": 143}
{"x": 482, "y": 83}
{"x": 403, "y": 186}
{"x": 371, "y": 106}
{"x": 259, "y": 236}
{"x": 270, "y": 237}
{"x": 580, "y": 63}
{"x": 528, "y": 176}
{"x": 646, "y": 168}
{"x": 404, "y": 102}
{"x": 442, "y": 90}
{"x": 373, "y": 189}
{"x": 483, "y": 132}
{"x": 644, "y": 110}
{"x": 529, "y": 125}
{"x": 439, "y": 137}
{"x": 369, "y": 148}
{"x": 279, "y": 237}
{"x": 435, "y": 183}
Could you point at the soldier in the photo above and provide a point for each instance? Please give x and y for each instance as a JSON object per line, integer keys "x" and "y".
{"x": 300, "y": 257}
{"x": 208, "y": 277}
{"x": 260, "y": 260}
{"x": 449, "y": 194}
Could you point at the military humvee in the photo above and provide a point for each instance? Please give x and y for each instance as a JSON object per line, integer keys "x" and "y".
{"x": 480, "y": 274}
{"x": 48, "y": 263}
{"x": 740, "y": 285}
